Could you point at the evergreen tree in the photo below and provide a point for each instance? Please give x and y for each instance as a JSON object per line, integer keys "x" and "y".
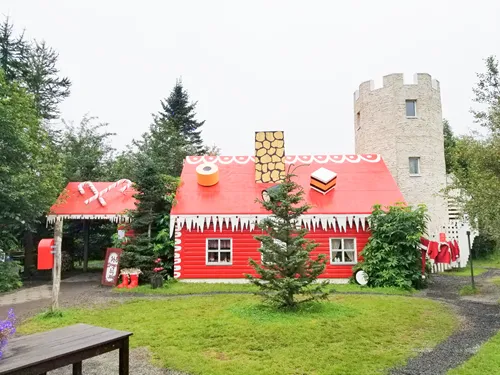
{"x": 41, "y": 77}
{"x": 150, "y": 219}
{"x": 12, "y": 52}
{"x": 180, "y": 113}
{"x": 34, "y": 66}
{"x": 287, "y": 270}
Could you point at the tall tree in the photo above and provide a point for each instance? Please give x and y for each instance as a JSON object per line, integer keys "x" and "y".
{"x": 30, "y": 172}
{"x": 476, "y": 166}
{"x": 12, "y": 51}
{"x": 287, "y": 270}
{"x": 43, "y": 80}
{"x": 86, "y": 150}
{"x": 34, "y": 65}
{"x": 449, "y": 144}
{"x": 180, "y": 113}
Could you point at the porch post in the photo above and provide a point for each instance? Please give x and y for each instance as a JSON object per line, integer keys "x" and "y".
{"x": 56, "y": 270}
{"x": 85, "y": 244}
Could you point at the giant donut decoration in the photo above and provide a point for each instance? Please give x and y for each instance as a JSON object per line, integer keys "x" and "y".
{"x": 207, "y": 174}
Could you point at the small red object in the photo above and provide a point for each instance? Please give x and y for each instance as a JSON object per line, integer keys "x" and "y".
{"x": 124, "y": 283}
{"x": 134, "y": 281}
{"x": 46, "y": 254}
{"x": 442, "y": 237}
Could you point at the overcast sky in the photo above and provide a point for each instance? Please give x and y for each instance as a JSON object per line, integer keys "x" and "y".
{"x": 258, "y": 65}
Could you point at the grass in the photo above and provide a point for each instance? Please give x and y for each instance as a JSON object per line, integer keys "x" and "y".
{"x": 179, "y": 287}
{"x": 495, "y": 280}
{"x": 478, "y": 270}
{"x": 468, "y": 290}
{"x": 93, "y": 265}
{"x": 236, "y": 335}
{"x": 485, "y": 361}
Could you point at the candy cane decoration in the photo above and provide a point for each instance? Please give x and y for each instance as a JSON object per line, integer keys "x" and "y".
{"x": 91, "y": 186}
{"x": 127, "y": 183}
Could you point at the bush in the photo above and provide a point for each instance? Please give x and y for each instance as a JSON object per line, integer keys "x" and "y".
{"x": 392, "y": 257}
{"x": 9, "y": 276}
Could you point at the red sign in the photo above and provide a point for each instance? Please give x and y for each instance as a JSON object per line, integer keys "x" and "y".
{"x": 45, "y": 254}
{"x": 442, "y": 237}
{"x": 110, "y": 270}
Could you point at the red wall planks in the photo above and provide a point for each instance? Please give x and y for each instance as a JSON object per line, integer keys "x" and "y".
{"x": 193, "y": 252}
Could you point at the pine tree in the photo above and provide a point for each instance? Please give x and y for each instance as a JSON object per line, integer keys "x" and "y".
{"x": 177, "y": 110}
{"x": 287, "y": 270}
{"x": 12, "y": 51}
{"x": 155, "y": 198}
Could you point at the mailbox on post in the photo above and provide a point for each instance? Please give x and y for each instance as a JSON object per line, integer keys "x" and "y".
{"x": 46, "y": 254}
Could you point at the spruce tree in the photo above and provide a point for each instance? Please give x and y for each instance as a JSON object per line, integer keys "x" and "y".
{"x": 150, "y": 219}
{"x": 287, "y": 272}
{"x": 177, "y": 110}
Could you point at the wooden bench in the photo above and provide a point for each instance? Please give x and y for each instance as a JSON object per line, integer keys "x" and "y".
{"x": 42, "y": 352}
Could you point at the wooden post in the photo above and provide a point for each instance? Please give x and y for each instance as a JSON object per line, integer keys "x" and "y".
{"x": 85, "y": 244}
{"x": 56, "y": 270}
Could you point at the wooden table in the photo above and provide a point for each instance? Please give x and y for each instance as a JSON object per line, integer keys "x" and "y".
{"x": 41, "y": 352}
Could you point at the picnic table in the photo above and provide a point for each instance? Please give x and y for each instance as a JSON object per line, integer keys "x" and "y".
{"x": 42, "y": 352}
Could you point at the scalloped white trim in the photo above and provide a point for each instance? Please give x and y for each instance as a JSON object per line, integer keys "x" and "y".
{"x": 321, "y": 159}
{"x": 241, "y": 222}
{"x": 113, "y": 218}
{"x": 177, "y": 249}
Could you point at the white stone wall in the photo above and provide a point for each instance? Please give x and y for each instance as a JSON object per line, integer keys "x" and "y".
{"x": 382, "y": 127}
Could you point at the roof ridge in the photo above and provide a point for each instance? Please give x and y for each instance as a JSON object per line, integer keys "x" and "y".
{"x": 321, "y": 159}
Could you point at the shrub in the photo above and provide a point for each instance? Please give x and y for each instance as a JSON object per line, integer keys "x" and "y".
{"x": 392, "y": 257}
{"x": 9, "y": 276}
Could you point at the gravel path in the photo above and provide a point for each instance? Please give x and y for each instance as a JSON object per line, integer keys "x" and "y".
{"x": 480, "y": 321}
{"x": 140, "y": 363}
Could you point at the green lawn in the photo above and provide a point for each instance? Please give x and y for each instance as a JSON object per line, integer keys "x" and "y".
{"x": 486, "y": 361}
{"x": 236, "y": 335}
{"x": 178, "y": 287}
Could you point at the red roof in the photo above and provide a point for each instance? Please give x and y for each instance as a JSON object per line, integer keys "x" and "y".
{"x": 362, "y": 181}
{"x": 72, "y": 203}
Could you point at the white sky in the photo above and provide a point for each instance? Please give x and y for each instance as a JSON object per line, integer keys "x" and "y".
{"x": 258, "y": 65}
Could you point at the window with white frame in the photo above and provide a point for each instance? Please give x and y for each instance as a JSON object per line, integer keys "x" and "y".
{"x": 219, "y": 251}
{"x": 411, "y": 108}
{"x": 343, "y": 251}
{"x": 414, "y": 166}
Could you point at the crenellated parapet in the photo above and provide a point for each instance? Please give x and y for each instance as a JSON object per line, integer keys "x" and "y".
{"x": 397, "y": 79}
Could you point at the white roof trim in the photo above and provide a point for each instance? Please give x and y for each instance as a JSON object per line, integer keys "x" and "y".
{"x": 312, "y": 222}
{"x": 113, "y": 218}
{"x": 320, "y": 159}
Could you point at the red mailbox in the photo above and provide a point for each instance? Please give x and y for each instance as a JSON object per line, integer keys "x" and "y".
{"x": 46, "y": 254}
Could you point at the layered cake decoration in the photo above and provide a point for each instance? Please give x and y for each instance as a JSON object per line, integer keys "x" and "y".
{"x": 323, "y": 180}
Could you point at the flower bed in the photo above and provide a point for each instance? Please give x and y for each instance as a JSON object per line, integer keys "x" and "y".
{"x": 7, "y": 330}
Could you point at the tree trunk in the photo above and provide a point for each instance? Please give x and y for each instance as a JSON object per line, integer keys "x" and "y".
{"x": 29, "y": 252}
{"x": 85, "y": 244}
{"x": 56, "y": 269}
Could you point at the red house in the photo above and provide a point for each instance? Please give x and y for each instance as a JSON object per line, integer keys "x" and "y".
{"x": 215, "y": 216}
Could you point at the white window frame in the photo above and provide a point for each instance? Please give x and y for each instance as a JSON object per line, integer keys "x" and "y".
{"x": 219, "y": 263}
{"x": 418, "y": 164}
{"x": 406, "y": 107}
{"x": 343, "y": 250}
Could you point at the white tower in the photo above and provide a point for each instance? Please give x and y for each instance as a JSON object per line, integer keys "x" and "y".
{"x": 404, "y": 124}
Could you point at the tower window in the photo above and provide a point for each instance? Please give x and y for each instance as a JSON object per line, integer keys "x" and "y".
{"x": 414, "y": 166}
{"x": 411, "y": 108}
{"x": 358, "y": 120}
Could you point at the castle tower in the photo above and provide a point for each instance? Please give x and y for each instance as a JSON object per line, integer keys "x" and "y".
{"x": 403, "y": 123}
